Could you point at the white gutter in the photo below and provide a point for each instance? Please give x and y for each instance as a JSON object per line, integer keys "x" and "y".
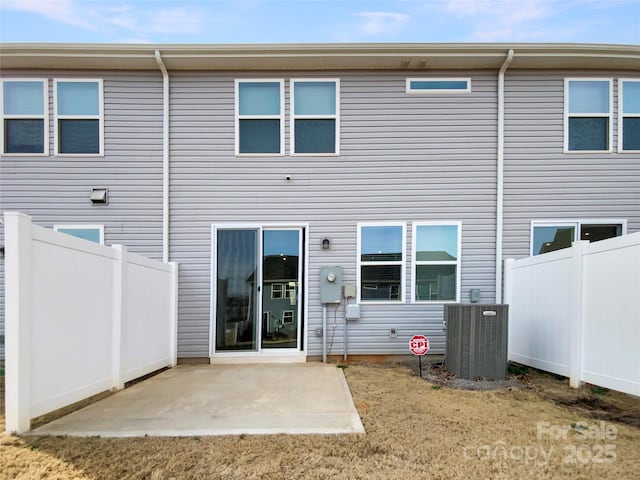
{"x": 165, "y": 157}
{"x": 500, "y": 179}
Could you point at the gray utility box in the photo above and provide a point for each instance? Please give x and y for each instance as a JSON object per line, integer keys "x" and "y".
{"x": 477, "y": 340}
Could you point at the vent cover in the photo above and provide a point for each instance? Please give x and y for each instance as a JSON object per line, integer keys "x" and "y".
{"x": 477, "y": 340}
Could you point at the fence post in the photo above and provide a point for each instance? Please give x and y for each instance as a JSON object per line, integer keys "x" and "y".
{"x": 577, "y": 312}
{"x": 173, "y": 323}
{"x": 18, "y": 250}
{"x": 119, "y": 299}
{"x": 508, "y": 279}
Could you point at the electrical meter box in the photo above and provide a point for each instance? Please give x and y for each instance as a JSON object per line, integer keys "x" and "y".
{"x": 330, "y": 285}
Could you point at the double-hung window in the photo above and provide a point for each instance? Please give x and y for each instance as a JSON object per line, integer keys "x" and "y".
{"x": 629, "y": 115}
{"x": 79, "y": 115}
{"x": 587, "y": 124}
{"x": 315, "y": 119}
{"x": 93, "y": 233}
{"x": 551, "y": 235}
{"x": 25, "y": 108}
{"x": 436, "y": 262}
{"x": 381, "y": 262}
{"x": 259, "y": 117}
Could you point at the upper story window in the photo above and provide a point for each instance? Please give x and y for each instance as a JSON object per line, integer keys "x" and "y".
{"x": 436, "y": 262}
{"x": 93, "y": 233}
{"x": 259, "y": 117}
{"x": 381, "y": 262}
{"x": 315, "y": 119}
{"x": 548, "y": 236}
{"x": 78, "y": 117}
{"x": 25, "y": 119}
{"x": 629, "y": 122}
{"x": 587, "y": 123}
{"x": 438, "y": 85}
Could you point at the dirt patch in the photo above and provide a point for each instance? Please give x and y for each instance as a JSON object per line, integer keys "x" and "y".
{"x": 413, "y": 430}
{"x": 589, "y": 401}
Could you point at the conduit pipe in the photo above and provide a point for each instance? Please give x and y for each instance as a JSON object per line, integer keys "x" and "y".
{"x": 500, "y": 176}
{"x": 165, "y": 157}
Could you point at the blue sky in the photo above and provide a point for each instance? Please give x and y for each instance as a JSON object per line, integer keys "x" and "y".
{"x": 276, "y": 21}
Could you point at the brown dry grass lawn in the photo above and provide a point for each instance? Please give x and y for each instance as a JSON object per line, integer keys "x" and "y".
{"x": 414, "y": 430}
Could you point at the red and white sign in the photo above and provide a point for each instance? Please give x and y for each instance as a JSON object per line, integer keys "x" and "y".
{"x": 419, "y": 344}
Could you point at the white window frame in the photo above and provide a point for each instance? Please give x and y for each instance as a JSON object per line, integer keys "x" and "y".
{"x": 239, "y": 117}
{"x": 568, "y": 115}
{"x": 99, "y": 117}
{"x": 281, "y": 289}
{"x": 44, "y": 116}
{"x": 436, "y": 91}
{"x": 402, "y": 263}
{"x": 293, "y": 117}
{"x": 81, "y": 226}
{"x": 415, "y": 262}
{"x": 573, "y": 222}
{"x": 621, "y": 115}
{"x": 292, "y": 317}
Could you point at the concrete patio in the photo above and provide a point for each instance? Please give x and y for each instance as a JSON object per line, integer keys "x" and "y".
{"x": 221, "y": 400}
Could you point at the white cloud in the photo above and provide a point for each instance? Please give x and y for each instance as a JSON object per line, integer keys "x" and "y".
{"x": 505, "y": 20}
{"x": 377, "y": 23}
{"x": 64, "y": 11}
{"x": 176, "y": 20}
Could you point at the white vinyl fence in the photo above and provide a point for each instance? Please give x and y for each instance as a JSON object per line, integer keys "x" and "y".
{"x": 576, "y": 312}
{"x": 81, "y": 318}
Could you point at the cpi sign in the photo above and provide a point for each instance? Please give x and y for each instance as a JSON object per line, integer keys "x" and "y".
{"x": 419, "y": 345}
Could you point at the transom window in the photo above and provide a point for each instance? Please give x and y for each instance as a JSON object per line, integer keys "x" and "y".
{"x": 260, "y": 117}
{"x": 629, "y": 122}
{"x": 438, "y": 85}
{"x": 79, "y": 117}
{"x": 436, "y": 262}
{"x": 557, "y": 234}
{"x": 25, "y": 117}
{"x": 381, "y": 262}
{"x": 315, "y": 120}
{"x": 93, "y": 233}
{"x": 587, "y": 115}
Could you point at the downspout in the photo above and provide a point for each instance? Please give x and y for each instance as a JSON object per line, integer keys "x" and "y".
{"x": 165, "y": 157}
{"x": 500, "y": 179}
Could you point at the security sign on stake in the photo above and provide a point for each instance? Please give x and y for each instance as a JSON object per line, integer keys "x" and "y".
{"x": 419, "y": 345}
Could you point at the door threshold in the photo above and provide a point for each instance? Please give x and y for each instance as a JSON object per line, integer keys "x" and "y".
{"x": 253, "y": 357}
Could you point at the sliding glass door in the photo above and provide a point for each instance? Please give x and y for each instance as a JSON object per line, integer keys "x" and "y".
{"x": 258, "y": 275}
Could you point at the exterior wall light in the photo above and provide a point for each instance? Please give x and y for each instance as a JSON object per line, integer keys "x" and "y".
{"x": 326, "y": 244}
{"x": 99, "y": 195}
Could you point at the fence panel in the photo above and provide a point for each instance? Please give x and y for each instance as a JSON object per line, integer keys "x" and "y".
{"x": 611, "y": 332}
{"x": 81, "y": 318}
{"x": 575, "y": 312}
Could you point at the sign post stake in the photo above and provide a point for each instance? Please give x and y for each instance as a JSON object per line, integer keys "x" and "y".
{"x": 419, "y": 345}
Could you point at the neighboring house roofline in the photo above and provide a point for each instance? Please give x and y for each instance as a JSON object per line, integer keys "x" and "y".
{"x": 323, "y": 56}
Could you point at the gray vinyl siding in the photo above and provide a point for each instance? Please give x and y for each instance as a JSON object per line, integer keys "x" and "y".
{"x": 542, "y": 182}
{"x": 402, "y": 158}
{"x": 55, "y": 190}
